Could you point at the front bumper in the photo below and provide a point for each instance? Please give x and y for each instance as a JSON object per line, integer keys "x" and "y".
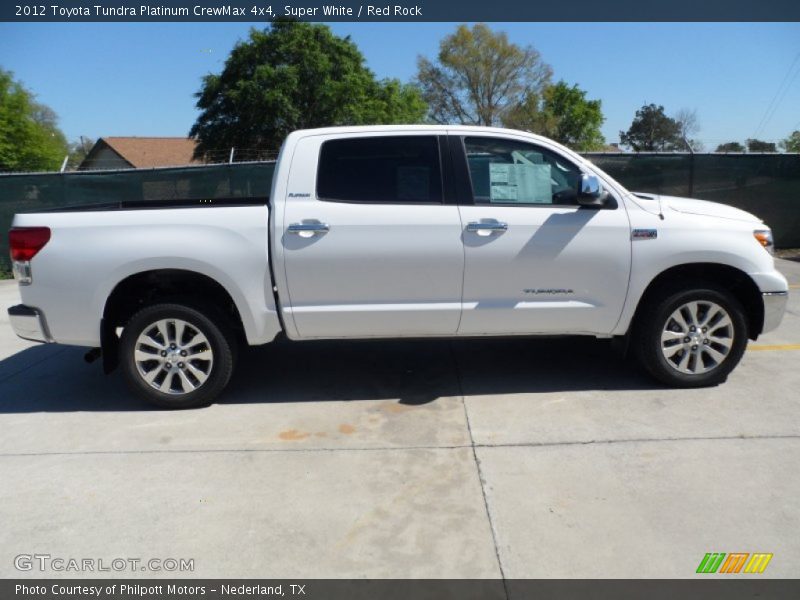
{"x": 774, "y": 307}
{"x": 29, "y": 323}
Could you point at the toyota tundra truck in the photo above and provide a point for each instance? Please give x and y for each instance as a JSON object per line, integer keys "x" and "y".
{"x": 399, "y": 232}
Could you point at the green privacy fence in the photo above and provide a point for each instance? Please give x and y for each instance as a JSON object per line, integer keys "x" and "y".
{"x": 42, "y": 191}
{"x": 767, "y": 185}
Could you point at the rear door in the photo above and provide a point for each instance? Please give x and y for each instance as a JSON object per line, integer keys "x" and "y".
{"x": 370, "y": 246}
{"x": 536, "y": 262}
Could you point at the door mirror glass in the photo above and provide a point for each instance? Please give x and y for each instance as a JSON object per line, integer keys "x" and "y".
{"x": 592, "y": 193}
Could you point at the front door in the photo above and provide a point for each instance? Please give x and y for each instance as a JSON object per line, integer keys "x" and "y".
{"x": 373, "y": 251}
{"x": 535, "y": 261}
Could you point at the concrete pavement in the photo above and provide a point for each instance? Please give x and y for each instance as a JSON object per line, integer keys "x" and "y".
{"x": 547, "y": 458}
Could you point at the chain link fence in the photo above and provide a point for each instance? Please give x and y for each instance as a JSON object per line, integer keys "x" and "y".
{"x": 767, "y": 185}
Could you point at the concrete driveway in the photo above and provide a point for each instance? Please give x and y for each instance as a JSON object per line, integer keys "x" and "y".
{"x": 481, "y": 459}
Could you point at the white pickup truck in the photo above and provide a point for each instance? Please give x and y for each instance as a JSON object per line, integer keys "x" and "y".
{"x": 400, "y": 231}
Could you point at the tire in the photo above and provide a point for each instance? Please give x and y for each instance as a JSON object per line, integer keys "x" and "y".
{"x": 679, "y": 356}
{"x": 172, "y": 378}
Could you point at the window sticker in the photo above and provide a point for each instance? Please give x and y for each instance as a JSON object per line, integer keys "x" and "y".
{"x": 520, "y": 183}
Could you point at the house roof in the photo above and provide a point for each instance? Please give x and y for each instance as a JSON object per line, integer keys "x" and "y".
{"x": 145, "y": 152}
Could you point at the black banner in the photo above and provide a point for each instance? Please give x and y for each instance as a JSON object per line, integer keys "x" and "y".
{"x": 400, "y": 10}
{"x": 399, "y": 589}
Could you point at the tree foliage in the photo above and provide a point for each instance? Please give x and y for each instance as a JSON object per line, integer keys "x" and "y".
{"x": 78, "y": 151}
{"x": 791, "y": 143}
{"x": 754, "y": 145}
{"x": 688, "y": 127}
{"x": 730, "y": 147}
{"x": 652, "y": 131}
{"x": 30, "y": 139}
{"x": 479, "y": 76}
{"x": 294, "y": 76}
{"x": 563, "y": 113}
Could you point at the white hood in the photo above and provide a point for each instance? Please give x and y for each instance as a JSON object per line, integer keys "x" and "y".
{"x": 697, "y": 207}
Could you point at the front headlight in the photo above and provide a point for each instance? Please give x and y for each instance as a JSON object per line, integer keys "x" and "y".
{"x": 764, "y": 237}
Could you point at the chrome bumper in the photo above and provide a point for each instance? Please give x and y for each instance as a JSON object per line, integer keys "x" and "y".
{"x": 28, "y": 323}
{"x": 774, "y": 307}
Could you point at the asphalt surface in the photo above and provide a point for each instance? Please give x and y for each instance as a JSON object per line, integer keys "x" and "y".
{"x": 480, "y": 459}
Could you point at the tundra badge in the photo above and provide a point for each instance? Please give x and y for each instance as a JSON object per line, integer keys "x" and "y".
{"x": 644, "y": 234}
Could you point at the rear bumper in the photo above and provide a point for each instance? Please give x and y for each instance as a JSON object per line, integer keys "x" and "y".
{"x": 774, "y": 307}
{"x": 29, "y": 323}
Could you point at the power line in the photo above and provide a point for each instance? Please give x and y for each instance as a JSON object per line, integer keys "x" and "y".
{"x": 783, "y": 89}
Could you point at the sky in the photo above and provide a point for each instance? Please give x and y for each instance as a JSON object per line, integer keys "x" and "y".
{"x": 125, "y": 79}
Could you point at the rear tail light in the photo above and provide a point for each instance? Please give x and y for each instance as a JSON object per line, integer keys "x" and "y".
{"x": 25, "y": 243}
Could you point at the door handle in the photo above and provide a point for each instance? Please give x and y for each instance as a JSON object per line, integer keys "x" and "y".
{"x": 307, "y": 230}
{"x": 486, "y": 227}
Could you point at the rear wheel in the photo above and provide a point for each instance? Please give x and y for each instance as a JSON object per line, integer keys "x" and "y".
{"x": 175, "y": 356}
{"x": 691, "y": 337}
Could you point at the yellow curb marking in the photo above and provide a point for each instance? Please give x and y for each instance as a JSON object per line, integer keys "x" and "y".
{"x": 776, "y": 347}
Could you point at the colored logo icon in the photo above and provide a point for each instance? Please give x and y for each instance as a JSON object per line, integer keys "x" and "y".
{"x": 736, "y": 562}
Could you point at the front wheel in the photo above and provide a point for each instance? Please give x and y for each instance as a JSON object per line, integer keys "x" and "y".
{"x": 175, "y": 356}
{"x": 691, "y": 337}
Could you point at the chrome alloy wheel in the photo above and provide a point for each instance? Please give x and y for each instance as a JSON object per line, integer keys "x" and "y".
{"x": 173, "y": 356}
{"x": 697, "y": 337}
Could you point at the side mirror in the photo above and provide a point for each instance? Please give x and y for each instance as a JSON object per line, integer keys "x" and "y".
{"x": 592, "y": 193}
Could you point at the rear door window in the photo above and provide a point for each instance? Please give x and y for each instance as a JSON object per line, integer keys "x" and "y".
{"x": 400, "y": 169}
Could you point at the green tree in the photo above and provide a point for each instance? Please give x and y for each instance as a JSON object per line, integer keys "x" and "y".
{"x": 479, "y": 76}
{"x": 652, "y": 131}
{"x": 397, "y": 103}
{"x": 791, "y": 143}
{"x": 294, "y": 76}
{"x": 562, "y": 113}
{"x": 730, "y": 147}
{"x": 754, "y": 145}
{"x": 30, "y": 139}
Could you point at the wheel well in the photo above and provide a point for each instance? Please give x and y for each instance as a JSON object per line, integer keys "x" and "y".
{"x": 734, "y": 280}
{"x": 164, "y": 285}
{"x": 172, "y": 285}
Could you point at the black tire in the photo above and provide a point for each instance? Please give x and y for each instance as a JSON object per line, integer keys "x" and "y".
{"x": 177, "y": 393}
{"x": 656, "y": 316}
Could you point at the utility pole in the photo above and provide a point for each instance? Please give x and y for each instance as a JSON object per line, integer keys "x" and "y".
{"x": 691, "y": 167}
